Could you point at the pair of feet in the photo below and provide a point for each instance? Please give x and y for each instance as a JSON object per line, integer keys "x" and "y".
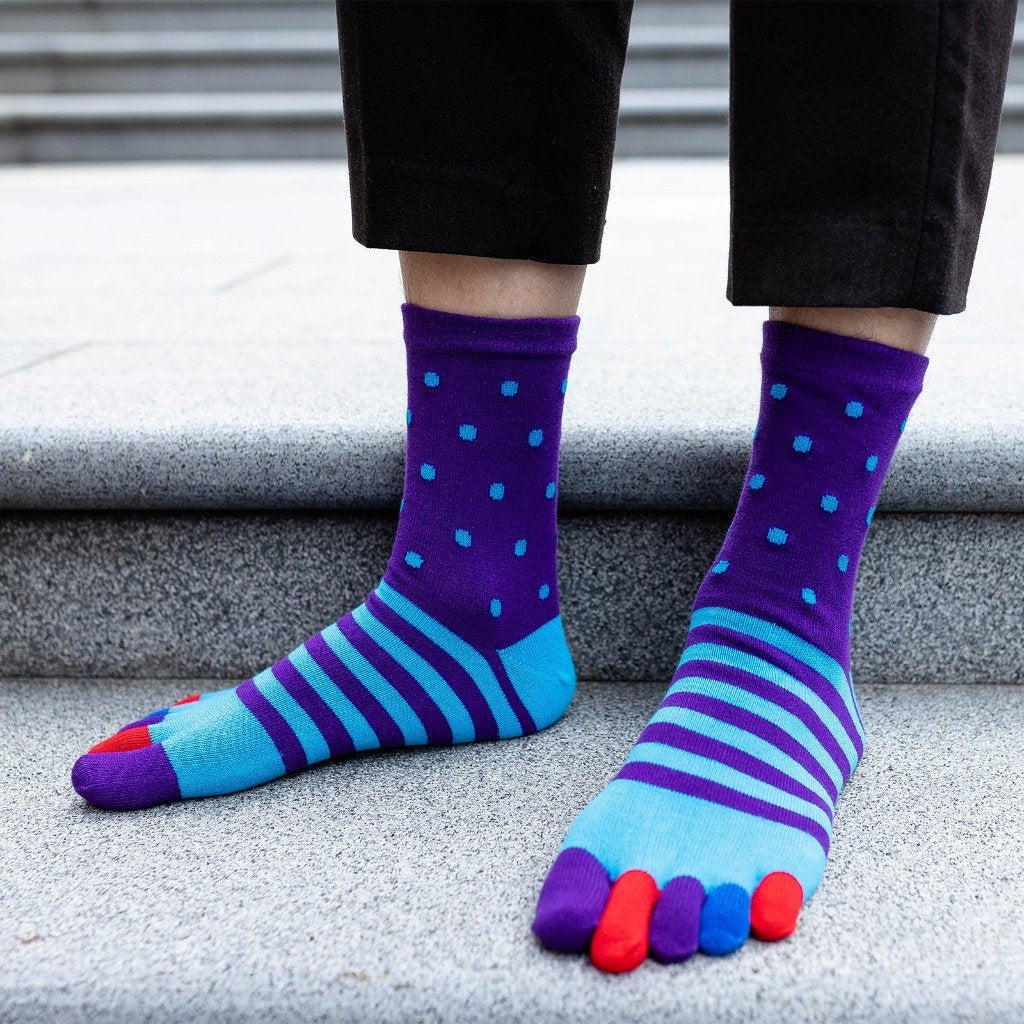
{"x": 718, "y": 824}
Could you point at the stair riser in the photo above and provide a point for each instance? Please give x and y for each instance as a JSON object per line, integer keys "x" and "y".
{"x": 219, "y": 595}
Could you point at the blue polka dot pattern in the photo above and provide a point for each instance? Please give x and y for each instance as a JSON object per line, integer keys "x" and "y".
{"x": 757, "y": 481}
{"x": 427, "y": 471}
{"x": 872, "y": 464}
{"x": 509, "y": 388}
{"x": 777, "y": 535}
{"x": 544, "y": 592}
{"x": 870, "y": 515}
{"x": 779, "y": 390}
{"x": 829, "y": 502}
{"x": 809, "y": 596}
{"x": 802, "y": 443}
{"x": 497, "y": 491}
{"x": 843, "y": 563}
{"x": 467, "y": 432}
{"x": 535, "y": 438}
{"x": 431, "y": 379}
{"x": 413, "y": 559}
{"x": 463, "y": 538}
{"x": 549, "y": 491}
{"x": 719, "y": 567}
{"x": 495, "y": 607}
{"x": 854, "y": 410}
{"x": 520, "y": 548}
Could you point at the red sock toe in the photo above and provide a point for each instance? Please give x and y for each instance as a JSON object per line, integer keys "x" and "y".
{"x": 186, "y": 700}
{"x": 620, "y": 942}
{"x": 775, "y": 907}
{"x": 127, "y": 739}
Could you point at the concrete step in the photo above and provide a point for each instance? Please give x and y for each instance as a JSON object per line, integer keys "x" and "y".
{"x": 201, "y": 429}
{"x": 400, "y": 887}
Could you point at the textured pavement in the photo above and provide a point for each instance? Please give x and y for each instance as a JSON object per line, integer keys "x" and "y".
{"x": 399, "y": 887}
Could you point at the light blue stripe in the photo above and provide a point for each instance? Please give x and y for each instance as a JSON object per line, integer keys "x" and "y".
{"x": 766, "y": 670}
{"x": 793, "y": 645}
{"x": 741, "y": 740}
{"x": 469, "y": 658}
{"x": 713, "y": 843}
{"x": 422, "y": 671}
{"x": 408, "y": 722}
{"x": 308, "y": 735}
{"x": 713, "y": 771}
{"x": 765, "y": 709}
{"x": 363, "y": 737}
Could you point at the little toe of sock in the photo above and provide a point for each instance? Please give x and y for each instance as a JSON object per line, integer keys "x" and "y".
{"x": 724, "y": 920}
{"x": 620, "y": 941}
{"x": 123, "y": 780}
{"x": 675, "y": 924}
{"x": 571, "y": 901}
{"x": 775, "y": 907}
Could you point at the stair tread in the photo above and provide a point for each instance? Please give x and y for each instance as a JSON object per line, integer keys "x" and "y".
{"x": 183, "y": 365}
{"x": 401, "y": 886}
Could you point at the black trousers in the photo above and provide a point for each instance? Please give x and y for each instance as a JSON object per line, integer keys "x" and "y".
{"x": 861, "y": 137}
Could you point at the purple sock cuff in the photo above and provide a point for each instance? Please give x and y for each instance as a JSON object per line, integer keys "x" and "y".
{"x": 439, "y": 331}
{"x": 805, "y": 350}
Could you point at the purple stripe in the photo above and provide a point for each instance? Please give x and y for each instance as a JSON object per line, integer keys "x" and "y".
{"x": 702, "y": 789}
{"x": 814, "y": 681}
{"x": 287, "y": 743}
{"x": 777, "y": 695}
{"x": 388, "y": 733}
{"x": 461, "y": 682}
{"x": 526, "y": 721}
{"x": 437, "y": 727}
{"x": 681, "y": 738}
{"x": 334, "y": 733}
{"x": 756, "y": 726}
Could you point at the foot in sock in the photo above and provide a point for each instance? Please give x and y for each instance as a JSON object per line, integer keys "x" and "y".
{"x": 718, "y": 824}
{"x": 462, "y": 640}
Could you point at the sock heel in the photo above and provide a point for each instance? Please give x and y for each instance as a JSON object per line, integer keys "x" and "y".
{"x": 541, "y": 669}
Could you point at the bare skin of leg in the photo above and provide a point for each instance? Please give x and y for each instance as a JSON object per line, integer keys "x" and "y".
{"x": 908, "y": 329}
{"x": 480, "y": 286}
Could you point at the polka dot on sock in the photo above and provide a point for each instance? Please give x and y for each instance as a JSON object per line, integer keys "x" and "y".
{"x": 427, "y": 471}
{"x": 802, "y": 443}
{"x": 544, "y": 592}
{"x": 497, "y": 491}
{"x": 870, "y": 515}
{"x": 719, "y": 567}
{"x": 520, "y": 548}
{"x": 495, "y": 607}
{"x": 854, "y": 410}
{"x": 829, "y": 502}
{"x": 463, "y": 538}
{"x": 509, "y": 388}
{"x": 535, "y": 438}
{"x": 431, "y": 379}
{"x": 843, "y": 563}
{"x": 809, "y": 596}
{"x": 757, "y": 481}
{"x": 549, "y": 491}
{"x": 467, "y": 432}
{"x": 779, "y": 390}
{"x": 413, "y": 559}
{"x": 872, "y": 463}
{"x": 777, "y": 535}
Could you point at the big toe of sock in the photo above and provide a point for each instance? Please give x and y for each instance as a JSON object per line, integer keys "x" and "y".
{"x": 124, "y": 780}
{"x": 571, "y": 901}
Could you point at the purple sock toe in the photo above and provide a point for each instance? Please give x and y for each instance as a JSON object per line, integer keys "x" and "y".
{"x": 675, "y": 925}
{"x": 571, "y": 901}
{"x": 126, "y": 781}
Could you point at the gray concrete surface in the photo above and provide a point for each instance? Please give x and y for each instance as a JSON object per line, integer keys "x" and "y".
{"x": 184, "y": 320}
{"x": 399, "y": 887}
{"x": 223, "y": 595}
